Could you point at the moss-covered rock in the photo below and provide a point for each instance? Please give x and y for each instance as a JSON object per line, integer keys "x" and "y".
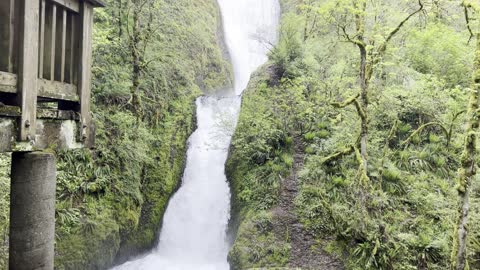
{"x": 257, "y": 245}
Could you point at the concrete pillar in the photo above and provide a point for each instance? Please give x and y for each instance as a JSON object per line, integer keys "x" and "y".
{"x": 32, "y": 211}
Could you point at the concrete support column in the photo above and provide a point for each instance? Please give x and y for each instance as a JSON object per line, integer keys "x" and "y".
{"x": 32, "y": 211}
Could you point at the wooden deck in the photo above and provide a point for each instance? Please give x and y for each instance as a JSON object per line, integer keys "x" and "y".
{"x": 52, "y": 66}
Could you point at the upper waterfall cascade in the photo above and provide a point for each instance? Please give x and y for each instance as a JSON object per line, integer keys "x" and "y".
{"x": 194, "y": 230}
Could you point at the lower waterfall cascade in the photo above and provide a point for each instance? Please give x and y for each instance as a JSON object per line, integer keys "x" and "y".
{"x": 194, "y": 230}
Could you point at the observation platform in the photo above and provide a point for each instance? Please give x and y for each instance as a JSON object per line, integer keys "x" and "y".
{"x": 45, "y": 74}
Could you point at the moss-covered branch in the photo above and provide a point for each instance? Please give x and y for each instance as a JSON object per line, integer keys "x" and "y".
{"x": 345, "y": 103}
{"x": 424, "y": 126}
{"x": 400, "y": 25}
{"x": 364, "y": 180}
{"x": 338, "y": 155}
{"x": 361, "y": 112}
{"x": 467, "y": 171}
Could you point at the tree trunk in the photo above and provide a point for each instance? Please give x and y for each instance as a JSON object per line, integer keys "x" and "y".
{"x": 364, "y": 78}
{"x": 120, "y": 15}
{"x": 467, "y": 171}
{"x": 364, "y": 106}
{"x": 136, "y": 59}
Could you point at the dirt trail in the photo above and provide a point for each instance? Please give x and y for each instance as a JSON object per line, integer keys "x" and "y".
{"x": 305, "y": 254}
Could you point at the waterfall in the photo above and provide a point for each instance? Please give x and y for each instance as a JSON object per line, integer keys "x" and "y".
{"x": 193, "y": 235}
{"x": 250, "y": 28}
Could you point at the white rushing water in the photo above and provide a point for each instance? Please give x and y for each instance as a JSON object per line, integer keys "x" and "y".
{"x": 194, "y": 229}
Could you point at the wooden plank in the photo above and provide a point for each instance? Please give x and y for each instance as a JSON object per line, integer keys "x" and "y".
{"x": 69, "y": 50}
{"x": 8, "y": 82}
{"x": 57, "y": 90}
{"x": 5, "y": 34}
{"x": 28, "y": 69}
{"x": 8, "y": 89}
{"x": 73, "y": 53}
{"x": 53, "y": 42}
{"x": 47, "y": 44}
{"x": 11, "y": 44}
{"x": 72, "y": 5}
{"x": 73, "y": 67}
{"x": 85, "y": 59}
{"x": 58, "y": 44}
{"x": 42, "y": 39}
{"x": 14, "y": 25}
{"x": 97, "y": 3}
{"x": 64, "y": 42}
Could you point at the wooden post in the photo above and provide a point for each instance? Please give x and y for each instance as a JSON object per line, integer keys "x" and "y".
{"x": 70, "y": 50}
{"x": 53, "y": 42}
{"x": 12, "y": 37}
{"x": 28, "y": 68}
{"x": 41, "y": 51}
{"x": 7, "y": 33}
{"x": 84, "y": 71}
{"x": 64, "y": 42}
{"x": 59, "y": 44}
{"x": 49, "y": 40}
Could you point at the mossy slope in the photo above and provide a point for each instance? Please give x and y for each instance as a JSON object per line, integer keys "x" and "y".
{"x": 405, "y": 220}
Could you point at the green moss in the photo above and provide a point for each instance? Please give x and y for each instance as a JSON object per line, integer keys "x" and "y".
{"x": 309, "y": 150}
{"x": 92, "y": 245}
{"x": 323, "y": 134}
{"x": 310, "y": 136}
{"x": 400, "y": 213}
{"x": 257, "y": 245}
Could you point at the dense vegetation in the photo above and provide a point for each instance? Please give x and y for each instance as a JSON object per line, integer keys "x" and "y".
{"x": 383, "y": 201}
{"x": 151, "y": 60}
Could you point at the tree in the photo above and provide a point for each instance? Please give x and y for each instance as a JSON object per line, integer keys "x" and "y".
{"x": 139, "y": 32}
{"x": 468, "y": 167}
{"x": 372, "y": 48}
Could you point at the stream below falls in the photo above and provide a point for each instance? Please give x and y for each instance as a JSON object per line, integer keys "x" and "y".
{"x": 194, "y": 230}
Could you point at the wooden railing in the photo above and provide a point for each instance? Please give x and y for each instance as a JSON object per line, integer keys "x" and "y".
{"x": 9, "y": 10}
{"x": 59, "y": 36}
{"x": 45, "y": 57}
{"x": 58, "y": 42}
{"x": 8, "y": 42}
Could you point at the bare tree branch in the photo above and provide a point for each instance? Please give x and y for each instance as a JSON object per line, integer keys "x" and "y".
{"x": 394, "y": 31}
{"x": 467, "y": 20}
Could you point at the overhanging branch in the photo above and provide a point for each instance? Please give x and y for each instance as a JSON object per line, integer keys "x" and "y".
{"x": 347, "y": 102}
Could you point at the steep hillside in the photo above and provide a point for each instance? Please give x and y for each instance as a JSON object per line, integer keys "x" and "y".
{"x": 301, "y": 195}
